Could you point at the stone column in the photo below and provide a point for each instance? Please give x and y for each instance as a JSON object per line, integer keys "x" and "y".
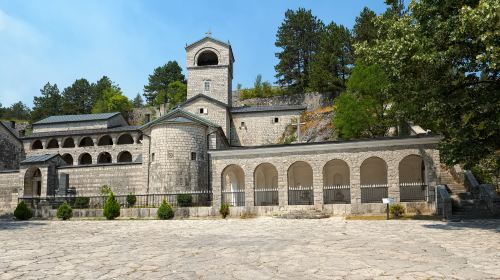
{"x": 282, "y": 183}
{"x": 216, "y": 186}
{"x": 45, "y": 180}
{"x": 249, "y": 186}
{"x": 355, "y": 182}
{"x": 318, "y": 185}
{"x": 393, "y": 178}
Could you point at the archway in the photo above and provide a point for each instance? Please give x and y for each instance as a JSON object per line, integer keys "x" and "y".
{"x": 266, "y": 185}
{"x": 85, "y": 159}
{"x": 412, "y": 186}
{"x": 33, "y": 182}
{"x": 336, "y": 182}
{"x": 37, "y": 145}
{"x": 300, "y": 184}
{"x": 104, "y": 157}
{"x": 68, "y": 143}
{"x": 86, "y": 142}
{"x": 105, "y": 141}
{"x": 207, "y": 57}
{"x": 124, "y": 156}
{"x": 53, "y": 144}
{"x": 233, "y": 185}
{"x": 68, "y": 159}
{"x": 373, "y": 173}
{"x": 125, "y": 139}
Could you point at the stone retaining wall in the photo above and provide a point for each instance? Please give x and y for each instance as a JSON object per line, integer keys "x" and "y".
{"x": 9, "y": 184}
{"x": 312, "y": 101}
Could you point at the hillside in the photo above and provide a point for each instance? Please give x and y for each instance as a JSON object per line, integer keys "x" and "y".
{"x": 316, "y": 126}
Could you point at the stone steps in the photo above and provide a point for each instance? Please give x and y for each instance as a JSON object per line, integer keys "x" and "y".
{"x": 447, "y": 179}
{"x": 465, "y": 206}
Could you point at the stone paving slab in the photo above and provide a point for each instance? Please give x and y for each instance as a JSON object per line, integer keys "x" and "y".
{"x": 261, "y": 248}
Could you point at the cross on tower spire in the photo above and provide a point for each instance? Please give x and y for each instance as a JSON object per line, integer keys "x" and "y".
{"x": 208, "y": 33}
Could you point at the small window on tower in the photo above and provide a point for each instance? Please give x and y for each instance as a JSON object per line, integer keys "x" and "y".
{"x": 206, "y": 86}
{"x": 203, "y": 111}
{"x": 193, "y": 156}
{"x": 276, "y": 120}
{"x": 243, "y": 125}
{"x": 152, "y": 157}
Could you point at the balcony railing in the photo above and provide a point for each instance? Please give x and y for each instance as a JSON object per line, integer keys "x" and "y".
{"x": 373, "y": 193}
{"x": 300, "y": 195}
{"x": 234, "y": 198}
{"x": 337, "y": 194}
{"x": 266, "y": 196}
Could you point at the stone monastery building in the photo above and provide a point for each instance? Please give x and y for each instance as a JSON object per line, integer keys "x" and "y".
{"x": 207, "y": 145}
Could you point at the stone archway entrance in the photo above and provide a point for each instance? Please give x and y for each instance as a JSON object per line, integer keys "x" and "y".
{"x": 33, "y": 182}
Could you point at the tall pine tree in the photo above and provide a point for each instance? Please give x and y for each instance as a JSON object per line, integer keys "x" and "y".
{"x": 48, "y": 104}
{"x": 78, "y": 98}
{"x": 161, "y": 78}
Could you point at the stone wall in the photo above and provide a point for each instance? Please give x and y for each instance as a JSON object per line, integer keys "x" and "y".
{"x": 10, "y": 182}
{"x": 260, "y": 128}
{"x": 123, "y": 178}
{"x": 311, "y": 100}
{"x": 317, "y": 156}
{"x": 11, "y": 150}
{"x": 215, "y": 112}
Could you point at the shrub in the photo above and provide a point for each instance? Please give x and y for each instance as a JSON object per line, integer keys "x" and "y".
{"x": 105, "y": 190}
{"x": 82, "y": 202}
{"x": 22, "y": 212}
{"x": 64, "y": 212}
{"x": 184, "y": 200}
{"x": 131, "y": 200}
{"x": 224, "y": 210}
{"x": 397, "y": 210}
{"x": 111, "y": 207}
{"x": 165, "y": 211}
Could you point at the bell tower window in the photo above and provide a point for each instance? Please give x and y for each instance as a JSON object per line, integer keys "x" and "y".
{"x": 206, "y": 86}
{"x": 207, "y": 58}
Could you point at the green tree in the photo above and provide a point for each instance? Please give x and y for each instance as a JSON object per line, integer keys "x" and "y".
{"x": 112, "y": 100}
{"x": 78, "y": 98}
{"x": 161, "y": 79}
{"x": 17, "y": 111}
{"x": 175, "y": 94}
{"x": 111, "y": 207}
{"x": 48, "y": 104}
{"x": 332, "y": 62}
{"x": 100, "y": 86}
{"x": 138, "y": 101}
{"x": 364, "y": 29}
{"x": 298, "y": 38}
{"x": 441, "y": 59}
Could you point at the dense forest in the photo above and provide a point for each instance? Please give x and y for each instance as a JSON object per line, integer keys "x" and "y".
{"x": 434, "y": 63}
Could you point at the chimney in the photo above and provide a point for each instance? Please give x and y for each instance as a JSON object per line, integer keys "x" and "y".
{"x": 147, "y": 118}
{"x": 13, "y": 124}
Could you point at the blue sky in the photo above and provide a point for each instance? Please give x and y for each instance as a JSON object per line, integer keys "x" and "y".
{"x": 61, "y": 41}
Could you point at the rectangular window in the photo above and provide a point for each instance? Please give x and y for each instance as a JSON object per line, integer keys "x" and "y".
{"x": 203, "y": 111}
{"x": 242, "y": 125}
{"x": 276, "y": 120}
{"x": 206, "y": 85}
{"x": 153, "y": 157}
{"x": 193, "y": 156}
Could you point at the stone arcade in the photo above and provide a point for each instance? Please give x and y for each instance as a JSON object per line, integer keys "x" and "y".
{"x": 205, "y": 144}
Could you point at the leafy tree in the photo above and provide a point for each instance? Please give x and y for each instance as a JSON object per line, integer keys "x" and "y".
{"x": 353, "y": 116}
{"x": 176, "y": 93}
{"x": 298, "y": 38}
{"x": 441, "y": 59}
{"x": 112, "y": 100}
{"x": 138, "y": 101}
{"x": 260, "y": 89}
{"x": 161, "y": 79}
{"x": 17, "y": 111}
{"x": 364, "y": 29}
{"x": 100, "y": 86}
{"x": 48, "y": 104}
{"x": 332, "y": 63}
{"x": 78, "y": 98}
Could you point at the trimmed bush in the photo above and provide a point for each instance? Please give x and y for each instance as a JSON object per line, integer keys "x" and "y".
{"x": 224, "y": 210}
{"x": 396, "y": 210}
{"x": 64, "y": 212}
{"x": 184, "y": 200}
{"x": 105, "y": 190}
{"x": 111, "y": 207}
{"x": 165, "y": 211}
{"x": 131, "y": 200}
{"x": 82, "y": 202}
{"x": 22, "y": 212}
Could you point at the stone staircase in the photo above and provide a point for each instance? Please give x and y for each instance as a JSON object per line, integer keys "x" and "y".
{"x": 447, "y": 179}
{"x": 465, "y": 206}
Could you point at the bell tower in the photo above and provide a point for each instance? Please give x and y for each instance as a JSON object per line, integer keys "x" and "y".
{"x": 210, "y": 69}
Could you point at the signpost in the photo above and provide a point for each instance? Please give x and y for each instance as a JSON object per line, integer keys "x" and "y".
{"x": 387, "y": 201}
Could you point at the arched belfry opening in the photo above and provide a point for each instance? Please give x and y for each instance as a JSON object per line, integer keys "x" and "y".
{"x": 207, "y": 58}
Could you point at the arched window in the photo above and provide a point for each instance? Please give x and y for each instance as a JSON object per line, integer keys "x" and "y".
{"x": 374, "y": 187}
{"x": 266, "y": 185}
{"x": 68, "y": 143}
{"x": 336, "y": 188}
{"x": 105, "y": 141}
{"x": 104, "y": 157}
{"x": 300, "y": 184}
{"x": 207, "y": 58}
{"x": 412, "y": 186}
{"x": 86, "y": 142}
{"x": 53, "y": 144}
{"x": 37, "y": 145}
{"x": 125, "y": 156}
{"x": 68, "y": 159}
{"x": 233, "y": 185}
{"x": 85, "y": 159}
{"x": 33, "y": 182}
{"x": 125, "y": 139}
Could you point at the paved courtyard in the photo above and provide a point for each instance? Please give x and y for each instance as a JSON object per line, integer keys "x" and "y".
{"x": 262, "y": 248}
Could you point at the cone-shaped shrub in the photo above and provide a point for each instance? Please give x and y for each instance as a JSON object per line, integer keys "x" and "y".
{"x": 165, "y": 211}
{"x": 111, "y": 207}
{"x": 22, "y": 212}
{"x": 224, "y": 210}
{"x": 131, "y": 200}
{"x": 64, "y": 212}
